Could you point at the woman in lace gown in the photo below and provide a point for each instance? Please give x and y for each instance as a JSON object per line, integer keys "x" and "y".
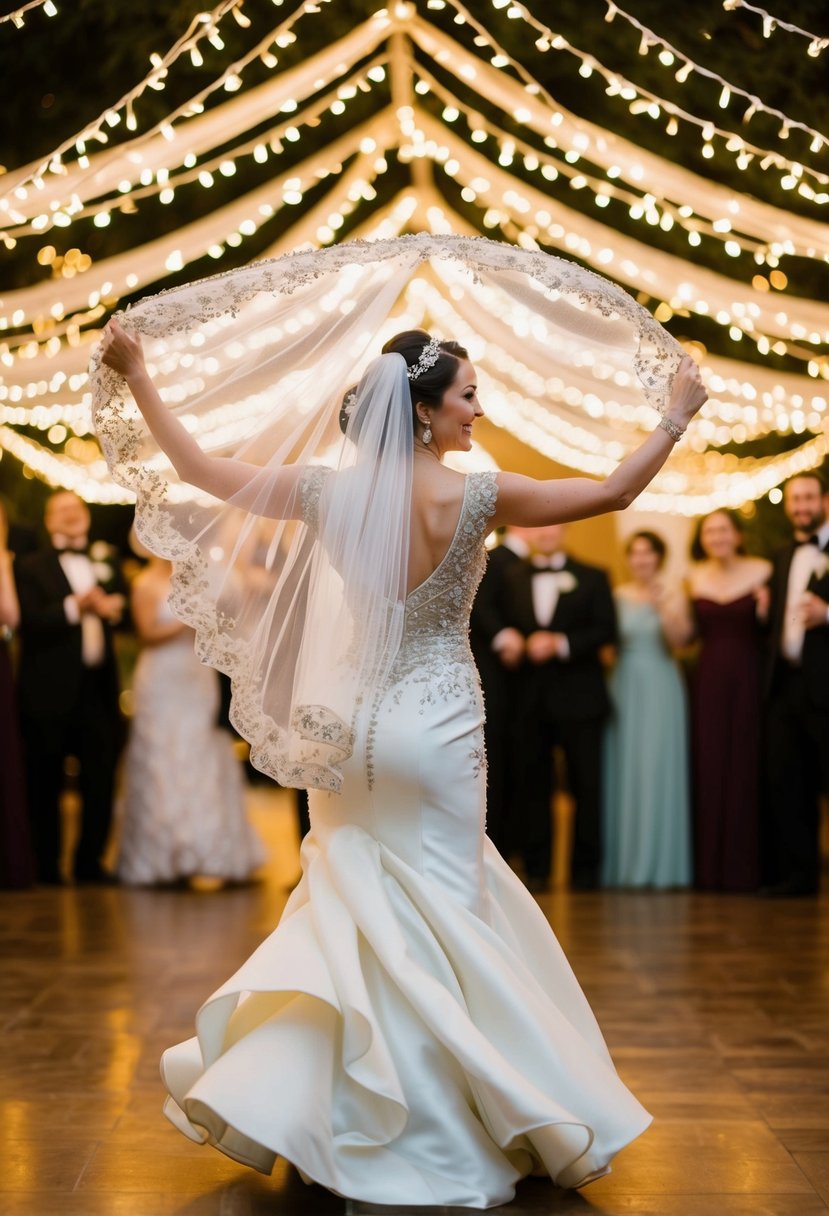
{"x": 411, "y": 1032}
{"x": 182, "y": 805}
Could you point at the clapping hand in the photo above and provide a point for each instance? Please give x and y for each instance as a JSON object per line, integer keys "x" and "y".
{"x": 813, "y": 611}
{"x": 510, "y": 647}
{"x": 544, "y": 645}
{"x": 108, "y": 607}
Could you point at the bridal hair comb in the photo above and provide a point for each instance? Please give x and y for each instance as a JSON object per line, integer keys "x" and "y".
{"x": 347, "y": 409}
{"x": 428, "y": 358}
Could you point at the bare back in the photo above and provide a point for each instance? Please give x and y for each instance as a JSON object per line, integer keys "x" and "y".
{"x": 437, "y": 501}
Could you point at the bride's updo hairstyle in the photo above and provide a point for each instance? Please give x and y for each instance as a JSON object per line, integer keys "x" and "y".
{"x": 429, "y": 386}
{"x": 432, "y": 383}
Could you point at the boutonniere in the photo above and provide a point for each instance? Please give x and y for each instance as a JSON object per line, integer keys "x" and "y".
{"x": 566, "y": 580}
{"x": 102, "y": 557}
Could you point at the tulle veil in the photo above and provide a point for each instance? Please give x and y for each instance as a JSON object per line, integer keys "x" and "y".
{"x": 306, "y": 612}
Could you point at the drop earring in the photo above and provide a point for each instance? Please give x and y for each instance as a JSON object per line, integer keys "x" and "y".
{"x": 427, "y": 435}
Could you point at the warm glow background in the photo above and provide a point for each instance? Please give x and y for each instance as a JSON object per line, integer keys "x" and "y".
{"x": 681, "y": 152}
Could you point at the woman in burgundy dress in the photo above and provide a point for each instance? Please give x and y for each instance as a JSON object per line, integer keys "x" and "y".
{"x": 728, "y": 594}
{"x": 16, "y": 863}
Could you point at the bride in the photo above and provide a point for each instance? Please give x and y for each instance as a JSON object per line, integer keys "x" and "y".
{"x": 411, "y": 1032}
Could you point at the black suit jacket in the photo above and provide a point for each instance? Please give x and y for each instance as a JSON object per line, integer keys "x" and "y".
{"x": 488, "y": 619}
{"x": 51, "y": 666}
{"x": 489, "y": 610}
{"x": 815, "y": 658}
{"x": 573, "y": 688}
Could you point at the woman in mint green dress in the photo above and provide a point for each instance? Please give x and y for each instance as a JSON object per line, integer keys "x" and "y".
{"x": 646, "y": 784}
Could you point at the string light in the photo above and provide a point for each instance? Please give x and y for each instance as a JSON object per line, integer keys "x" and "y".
{"x": 202, "y": 26}
{"x": 163, "y": 181}
{"x": 17, "y": 16}
{"x": 768, "y": 225}
{"x": 817, "y": 44}
{"x": 570, "y": 395}
{"x": 652, "y": 208}
{"x": 582, "y": 421}
{"x": 755, "y": 104}
{"x": 639, "y": 266}
{"x": 689, "y": 485}
{"x": 620, "y": 86}
{"x": 128, "y": 272}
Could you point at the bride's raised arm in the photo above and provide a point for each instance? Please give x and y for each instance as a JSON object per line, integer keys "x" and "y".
{"x": 525, "y": 502}
{"x": 217, "y": 475}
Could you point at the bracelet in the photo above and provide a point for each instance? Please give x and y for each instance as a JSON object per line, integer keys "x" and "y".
{"x": 674, "y": 429}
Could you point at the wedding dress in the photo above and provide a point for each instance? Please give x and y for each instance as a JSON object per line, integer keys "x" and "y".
{"x": 182, "y": 806}
{"x": 411, "y": 1032}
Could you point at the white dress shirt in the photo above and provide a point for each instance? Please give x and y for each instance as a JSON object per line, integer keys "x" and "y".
{"x": 806, "y": 560}
{"x": 81, "y": 578}
{"x": 546, "y": 587}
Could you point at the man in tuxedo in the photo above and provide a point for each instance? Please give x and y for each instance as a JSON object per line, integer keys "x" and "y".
{"x": 498, "y": 649}
{"x": 564, "y": 611}
{"x": 798, "y": 681}
{"x": 68, "y": 683}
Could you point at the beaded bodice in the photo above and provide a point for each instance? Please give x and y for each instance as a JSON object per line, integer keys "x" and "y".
{"x": 436, "y": 623}
{"x": 437, "y": 612}
{"x": 434, "y": 659}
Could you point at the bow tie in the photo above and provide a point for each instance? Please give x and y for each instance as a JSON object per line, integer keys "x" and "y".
{"x": 68, "y": 547}
{"x": 543, "y": 565}
{"x": 810, "y": 540}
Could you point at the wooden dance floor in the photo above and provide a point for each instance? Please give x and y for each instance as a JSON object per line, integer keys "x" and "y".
{"x": 716, "y": 1010}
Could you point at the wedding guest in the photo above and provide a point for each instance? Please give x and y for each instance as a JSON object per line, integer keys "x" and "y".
{"x": 182, "y": 807}
{"x": 71, "y": 597}
{"x": 646, "y": 811}
{"x": 563, "y": 609}
{"x": 798, "y": 683}
{"x": 21, "y": 537}
{"x": 726, "y": 588}
{"x": 16, "y": 860}
{"x": 498, "y": 649}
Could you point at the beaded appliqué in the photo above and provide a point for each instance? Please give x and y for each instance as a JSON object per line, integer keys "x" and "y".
{"x": 434, "y": 653}
{"x": 310, "y": 490}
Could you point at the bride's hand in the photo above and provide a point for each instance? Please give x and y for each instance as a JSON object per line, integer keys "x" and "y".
{"x": 120, "y": 351}
{"x": 687, "y": 393}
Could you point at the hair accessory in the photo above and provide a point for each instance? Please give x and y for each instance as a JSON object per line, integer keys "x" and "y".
{"x": 347, "y": 409}
{"x": 673, "y": 428}
{"x": 427, "y": 435}
{"x": 428, "y": 358}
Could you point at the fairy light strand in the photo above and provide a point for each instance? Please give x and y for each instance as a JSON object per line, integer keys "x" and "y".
{"x": 785, "y": 233}
{"x": 94, "y": 130}
{"x": 719, "y": 423}
{"x": 265, "y": 145}
{"x": 200, "y": 26}
{"x": 817, "y": 44}
{"x": 756, "y": 105}
{"x": 620, "y": 83}
{"x": 17, "y": 16}
{"x": 602, "y": 188}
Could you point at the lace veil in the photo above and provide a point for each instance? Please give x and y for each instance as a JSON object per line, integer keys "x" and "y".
{"x": 305, "y": 612}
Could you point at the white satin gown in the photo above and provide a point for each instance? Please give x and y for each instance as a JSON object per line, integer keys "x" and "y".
{"x": 411, "y": 1032}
